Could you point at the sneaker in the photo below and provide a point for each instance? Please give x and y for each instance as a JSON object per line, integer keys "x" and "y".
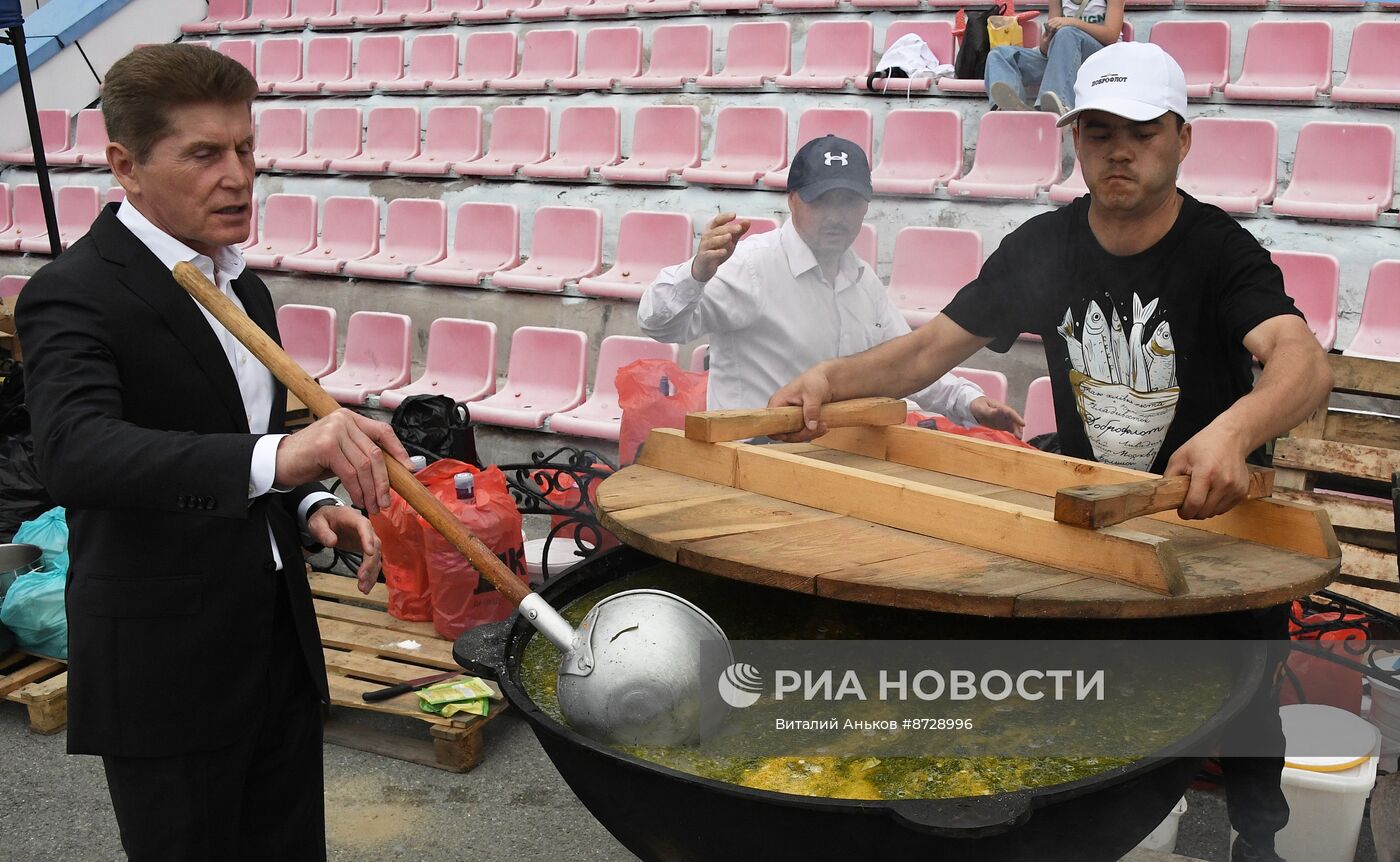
{"x": 1004, "y": 96}
{"x": 1051, "y": 103}
{"x": 1243, "y": 851}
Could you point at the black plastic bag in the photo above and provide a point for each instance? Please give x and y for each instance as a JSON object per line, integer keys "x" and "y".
{"x": 22, "y": 495}
{"x": 976, "y": 44}
{"x": 435, "y": 427}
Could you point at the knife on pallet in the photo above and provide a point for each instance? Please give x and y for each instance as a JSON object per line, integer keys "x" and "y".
{"x": 405, "y": 687}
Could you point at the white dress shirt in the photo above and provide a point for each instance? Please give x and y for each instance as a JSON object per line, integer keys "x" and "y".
{"x": 255, "y": 382}
{"x": 771, "y": 314}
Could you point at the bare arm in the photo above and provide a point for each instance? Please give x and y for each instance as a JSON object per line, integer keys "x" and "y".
{"x": 1296, "y": 380}
{"x": 1106, "y": 33}
{"x": 896, "y": 368}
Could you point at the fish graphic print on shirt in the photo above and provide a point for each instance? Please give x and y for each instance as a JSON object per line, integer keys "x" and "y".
{"x": 1124, "y": 382}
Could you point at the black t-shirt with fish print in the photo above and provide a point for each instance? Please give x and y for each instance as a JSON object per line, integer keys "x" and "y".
{"x": 1144, "y": 350}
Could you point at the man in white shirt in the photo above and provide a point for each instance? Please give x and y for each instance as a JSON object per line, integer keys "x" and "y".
{"x": 195, "y": 666}
{"x": 777, "y": 303}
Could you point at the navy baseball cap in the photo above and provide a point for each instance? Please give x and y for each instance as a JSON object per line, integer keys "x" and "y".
{"x": 828, "y": 163}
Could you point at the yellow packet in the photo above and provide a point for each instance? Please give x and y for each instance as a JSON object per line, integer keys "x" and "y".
{"x": 452, "y": 691}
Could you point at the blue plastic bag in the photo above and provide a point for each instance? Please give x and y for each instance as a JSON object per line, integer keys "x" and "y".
{"x": 34, "y": 609}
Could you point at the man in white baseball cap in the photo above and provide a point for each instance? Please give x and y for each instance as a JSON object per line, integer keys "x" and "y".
{"x": 1150, "y": 305}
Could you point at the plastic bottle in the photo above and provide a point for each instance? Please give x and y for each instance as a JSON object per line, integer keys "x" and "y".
{"x": 465, "y": 484}
{"x": 666, "y": 388}
{"x": 417, "y": 462}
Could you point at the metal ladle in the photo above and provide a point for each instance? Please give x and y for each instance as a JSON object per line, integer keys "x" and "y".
{"x": 643, "y": 667}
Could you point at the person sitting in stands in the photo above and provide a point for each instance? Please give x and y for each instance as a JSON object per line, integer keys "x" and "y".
{"x": 782, "y": 301}
{"x": 1075, "y": 30}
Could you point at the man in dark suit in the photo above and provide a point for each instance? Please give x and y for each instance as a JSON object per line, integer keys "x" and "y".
{"x": 195, "y": 665}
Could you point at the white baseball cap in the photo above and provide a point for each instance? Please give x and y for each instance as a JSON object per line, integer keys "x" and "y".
{"x": 1134, "y": 80}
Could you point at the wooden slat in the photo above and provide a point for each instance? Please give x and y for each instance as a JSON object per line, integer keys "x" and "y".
{"x": 1375, "y": 515}
{"x": 1006, "y": 528}
{"x": 1368, "y": 429}
{"x": 715, "y": 426}
{"x": 328, "y": 609}
{"x": 1371, "y": 565}
{"x": 387, "y": 672}
{"x": 711, "y": 462}
{"x": 629, "y": 489}
{"x": 1386, "y": 600}
{"x": 383, "y": 642}
{"x": 1095, "y": 506}
{"x": 1346, "y": 459}
{"x": 37, "y": 670}
{"x": 1270, "y": 522}
{"x": 345, "y": 589}
{"x": 42, "y": 690}
{"x": 1354, "y": 375}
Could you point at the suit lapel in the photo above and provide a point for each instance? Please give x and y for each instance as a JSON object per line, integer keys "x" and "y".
{"x": 141, "y": 272}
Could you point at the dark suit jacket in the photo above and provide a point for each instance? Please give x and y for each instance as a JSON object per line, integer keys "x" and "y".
{"x": 140, "y": 431}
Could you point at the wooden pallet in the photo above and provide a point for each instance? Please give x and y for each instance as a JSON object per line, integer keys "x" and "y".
{"x": 1357, "y": 445}
{"x": 41, "y": 684}
{"x": 364, "y": 650}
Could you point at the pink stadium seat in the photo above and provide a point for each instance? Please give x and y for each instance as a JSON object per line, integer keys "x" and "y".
{"x": 1372, "y": 75}
{"x": 394, "y": 13}
{"x": 489, "y": 57}
{"x": 308, "y": 336}
{"x": 485, "y": 241}
{"x": 1378, "y": 335}
{"x": 300, "y": 15}
{"x": 115, "y": 195}
{"x": 892, "y": 4}
{"x": 1330, "y": 5}
{"x": 76, "y": 207}
{"x": 377, "y": 350}
{"x": 757, "y": 52}
{"x": 836, "y": 53}
{"x": 609, "y": 53}
{"x": 258, "y": 12}
{"x": 11, "y": 285}
{"x": 545, "y": 375}
{"x": 919, "y": 151}
{"x": 519, "y": 137}
{"x": 1285, "y": 60}
{"x": 853, "y": 124}
{"x": 1356, "y": 188}
{"x": 219, "y": 12}
{"x": 700, "y": 359}
{"x": 280, "y": 63}
{"x": 680, "y": 53}
{"x": 977, "y": 86}
{"x": 549, "y": 9}
{"x": 4, "y": 211}
{"x": 992, "y": 383}
{"x": 53, "y": 128}
{"x": 566, "y": 245}
{"x": 1226, "y": 4}
{"x": 1018, "y": 154}
{"x": 1201, "y": 48}
{"x": 758, "y": 225}
{"x": 1039, "y": 411}
{"x": 461, "y": 363}
{"x": 600, "y": 416}
{"x": 335, "y": 134}
{"x": 433, "y": 58}
{"x": 89, "y": 142}
{"x": 867, "y": 245}
{"x": 662, "y": 7}
{"x": 453, "y": 135}
{"x": 750, "y": 141}
{"x": 281, "y": 135}
{"x": 252, "y": 240}
{"x": 245, "y": 51}
{"x": 288, "y": 227}
{"x": 548, "y": 56}
{"x": 665, "y": 141}
{"x": 492, "y": 10}
{"x": 805, "y": 5}
{"x": 1312, "y": 280}
{"x": 938, "y": 35}
{"x": 391, "y": 135}
{"x": 601, "y": 8}
{"x": 931, "y": 264}
{"x": 27, "y": 222}
{"x": 379, "y": 59}
{"x": 327, "y": 62}
{"x": 415, "y": 234}
{"x": 730, "y": 5}
{"x": 589, "y": 138}
{"x": 646, "y": 242}
{"x": 349, "y": 231}
{"x": 1068, "y": 190}
{"x": 347, "y": 14}
{"x": 1232, "y": 163}
{"x": 442, "y": 12}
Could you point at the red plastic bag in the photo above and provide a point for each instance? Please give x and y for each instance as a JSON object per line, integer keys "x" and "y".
{"x": 978, "y": 431}
{"x": 1315, "y": 679}
{"x": 462, "y": 598}
{"x": 405, "y": 570}
{"x": 644, "y": 406}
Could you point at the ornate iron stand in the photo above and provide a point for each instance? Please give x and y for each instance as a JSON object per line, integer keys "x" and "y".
{"x": 561, "y": 486}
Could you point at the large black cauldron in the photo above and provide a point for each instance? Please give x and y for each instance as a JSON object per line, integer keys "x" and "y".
{"x": 662, "y": 814}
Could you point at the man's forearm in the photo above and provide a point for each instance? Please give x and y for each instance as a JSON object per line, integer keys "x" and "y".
{"x": 1294, "y": 383}
{"x": 904, "y": 365}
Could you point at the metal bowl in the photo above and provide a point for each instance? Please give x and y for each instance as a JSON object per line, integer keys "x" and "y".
{"x": 16, "y": 560}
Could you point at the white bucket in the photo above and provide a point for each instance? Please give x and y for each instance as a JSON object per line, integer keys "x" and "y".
{"x": 1326, "y": 795}
{"x": 1163, "y": 838}
{"x": 563, "y": 552}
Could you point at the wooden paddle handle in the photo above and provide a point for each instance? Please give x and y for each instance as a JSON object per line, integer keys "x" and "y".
{"x": 321, "y": 404}
{"x": 1095, "y": 506}
{"x": 716, "y": 426}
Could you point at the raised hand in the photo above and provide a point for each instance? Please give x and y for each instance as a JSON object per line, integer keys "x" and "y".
{"x": 717, "y": 245}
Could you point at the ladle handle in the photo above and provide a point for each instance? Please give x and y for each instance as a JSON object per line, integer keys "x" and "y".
{"x": 1095, "y": 506}
{"x": 717, "y": 426}
{"x": 320, "y": 403}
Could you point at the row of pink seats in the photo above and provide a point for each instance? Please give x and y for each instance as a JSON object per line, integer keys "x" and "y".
{"x": 24, "y": 229}
{"x": 1233, "y": 162}
{"x": 88, "y": 147}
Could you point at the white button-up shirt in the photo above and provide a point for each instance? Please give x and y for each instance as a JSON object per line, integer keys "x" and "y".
{"x": 255, "y": 382}
{"x": 771, "y": 314}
